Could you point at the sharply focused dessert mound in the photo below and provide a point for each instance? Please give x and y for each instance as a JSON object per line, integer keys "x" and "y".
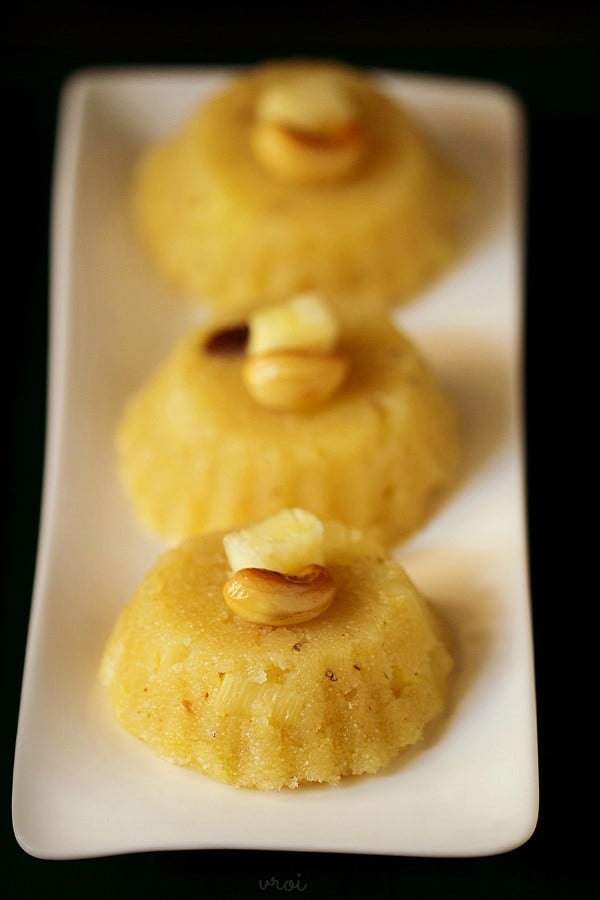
{"x": 283, "y": 410}
{"x": 298, "y": 175}
{"x": 267, "y": 706}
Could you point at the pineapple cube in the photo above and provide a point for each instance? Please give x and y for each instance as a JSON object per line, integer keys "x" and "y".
{"x": 286, "y": 542}
{"x": 315, "y": 102}
{"x": 303, "y": 323}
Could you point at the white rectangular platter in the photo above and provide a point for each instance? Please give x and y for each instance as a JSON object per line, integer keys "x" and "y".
{"x": 84, "y": 788}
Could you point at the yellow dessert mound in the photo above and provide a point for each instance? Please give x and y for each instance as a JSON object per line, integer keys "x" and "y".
{"x": 220, "y": 227}
{"x": 263, "y": 707}
{"x": 196, "y": 452}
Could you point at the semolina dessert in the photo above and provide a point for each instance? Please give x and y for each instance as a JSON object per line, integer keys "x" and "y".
{"x": 290, "y": 407}
{"x": 288, "y": 652}
{"x": 298, "y": 175}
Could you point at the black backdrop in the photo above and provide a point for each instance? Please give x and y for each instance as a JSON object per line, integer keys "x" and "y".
{"x": 547, "y": 54}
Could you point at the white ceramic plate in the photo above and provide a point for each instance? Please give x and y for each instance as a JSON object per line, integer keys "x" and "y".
{"x": 83, "y": 787}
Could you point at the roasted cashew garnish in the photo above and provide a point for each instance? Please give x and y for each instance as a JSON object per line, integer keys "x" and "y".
{"x": 265, "y": 597}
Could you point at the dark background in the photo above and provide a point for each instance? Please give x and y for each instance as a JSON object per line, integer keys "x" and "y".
{"x": 548, "y": 55}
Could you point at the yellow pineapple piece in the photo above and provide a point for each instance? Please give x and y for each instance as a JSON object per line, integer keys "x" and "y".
{"x": 305, "y": 322}
{"x": 309, "y": 101}
{"x": 287, "y": 541}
